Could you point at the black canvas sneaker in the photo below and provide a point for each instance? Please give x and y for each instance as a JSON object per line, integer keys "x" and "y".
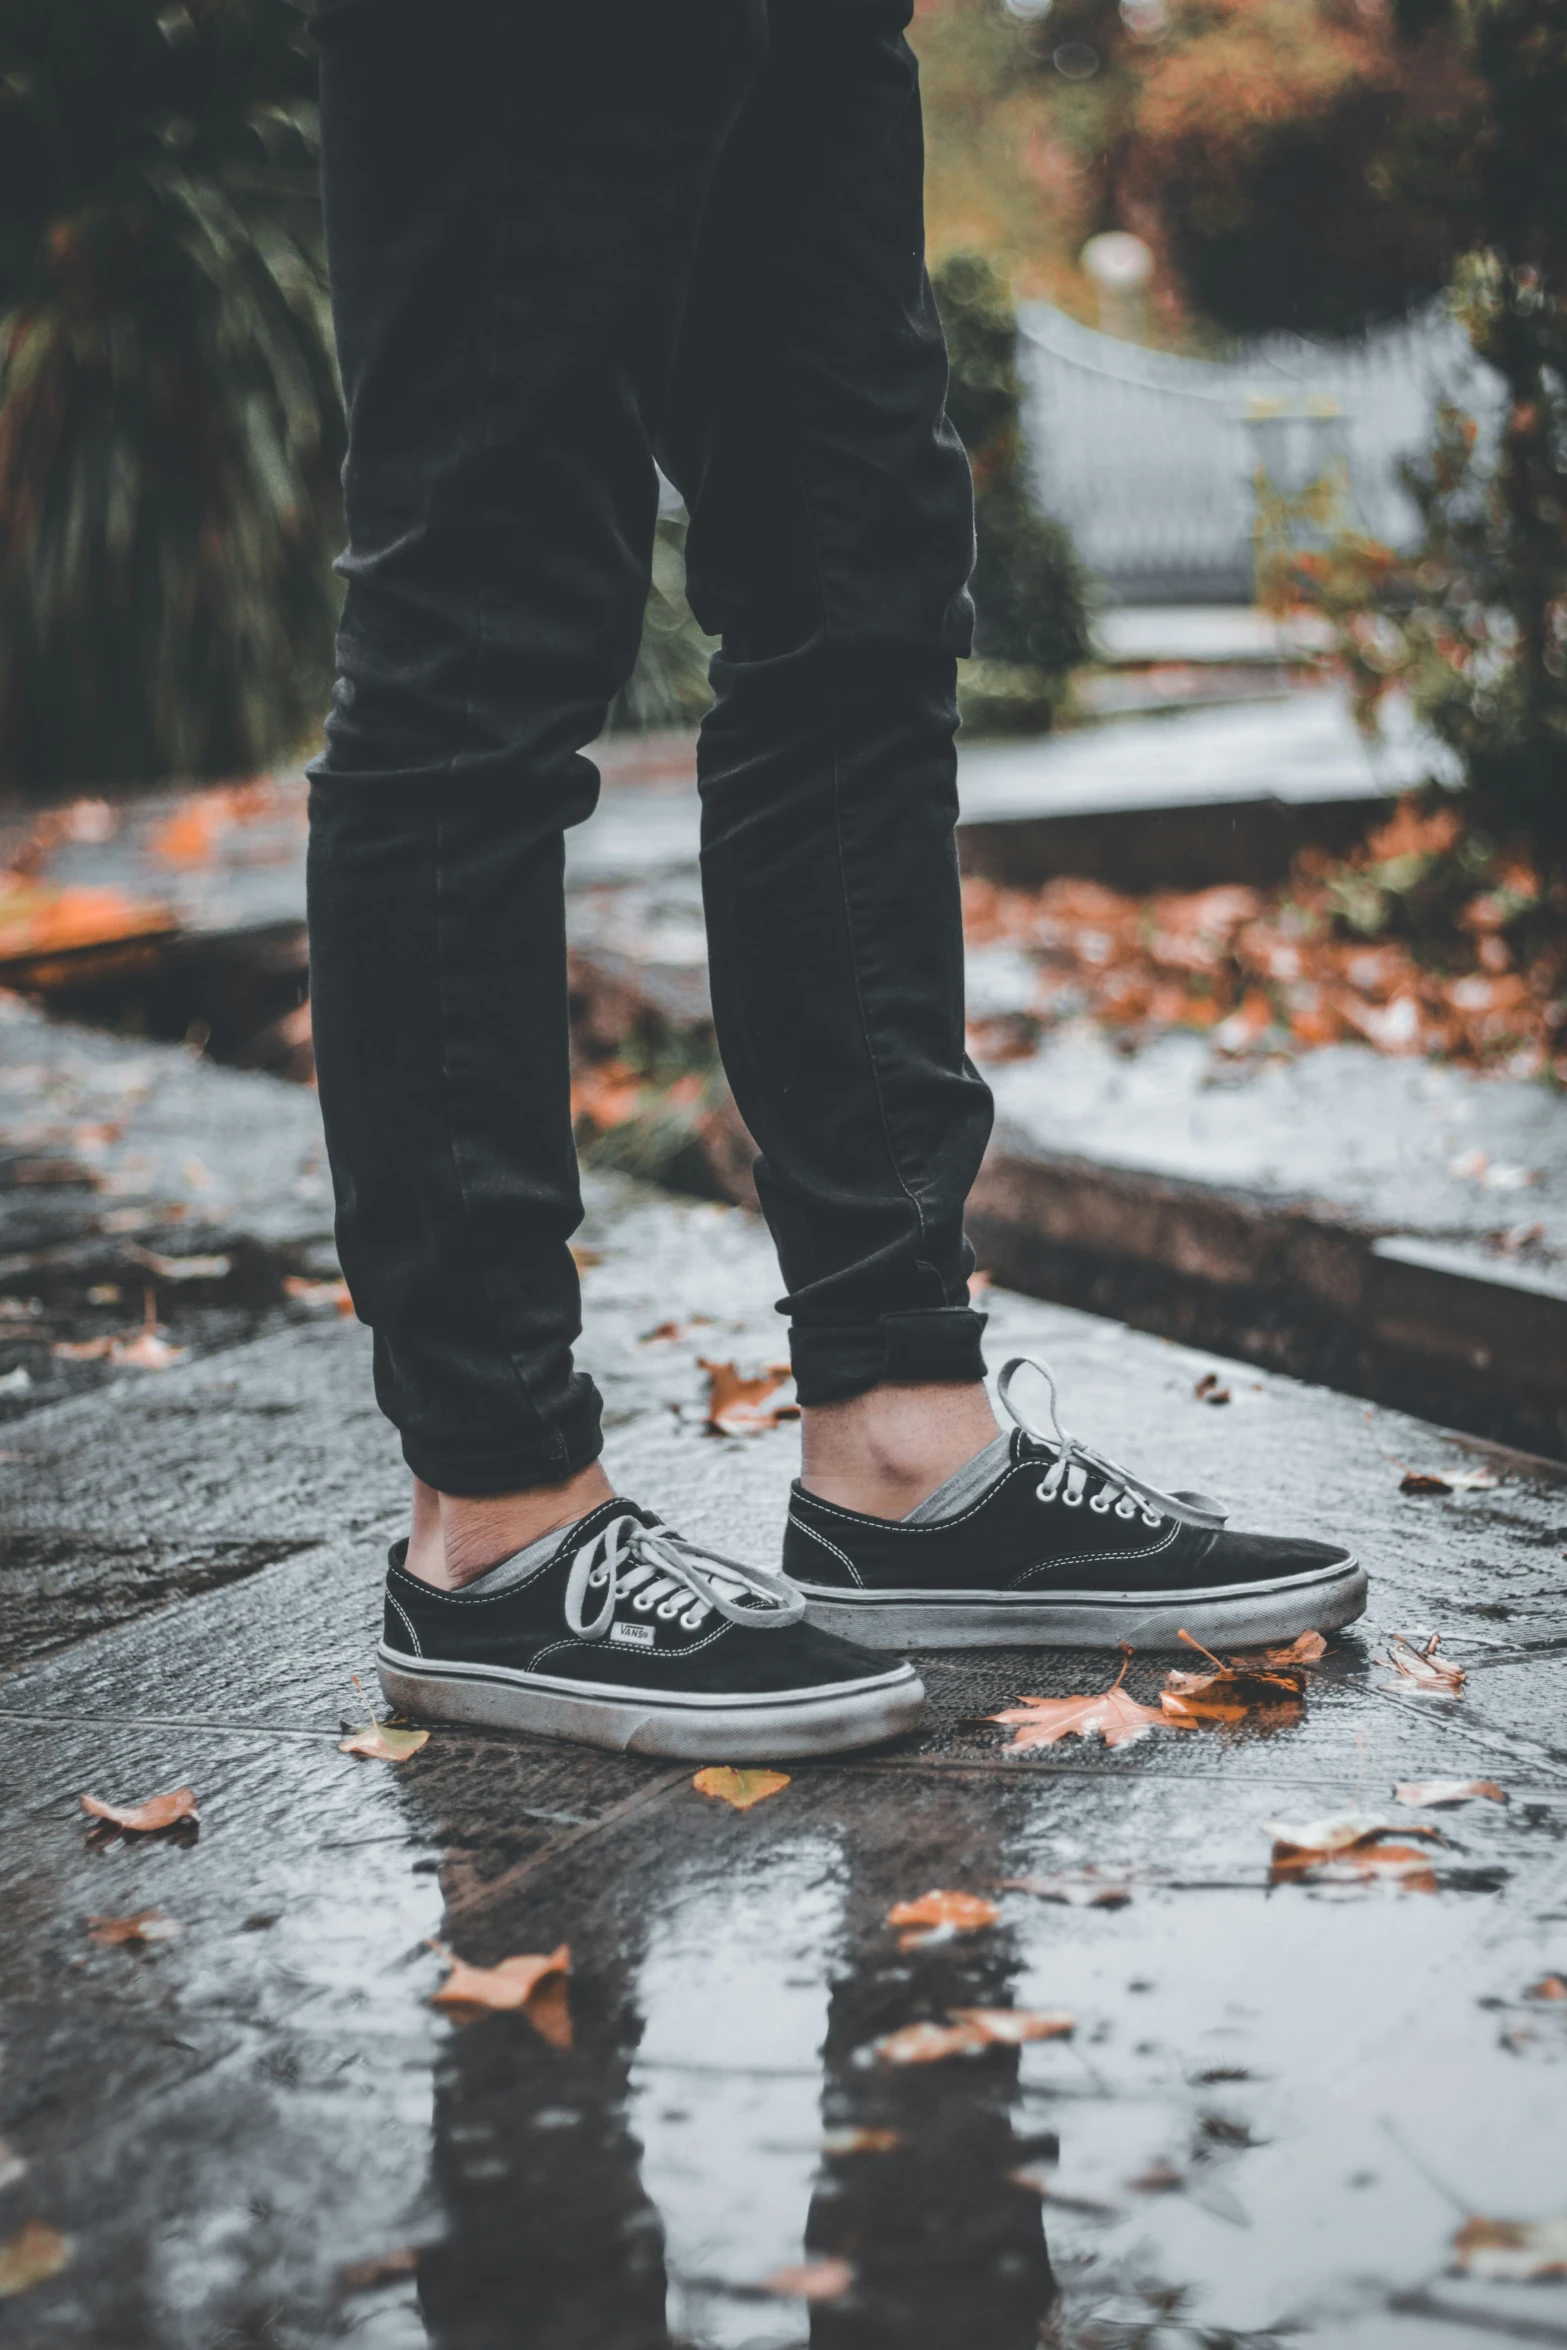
{"x": 621, "y": 1633}
{"x": 1060, "y": 1548}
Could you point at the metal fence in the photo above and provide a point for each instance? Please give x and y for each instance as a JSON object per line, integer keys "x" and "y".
{"x": 1150, "y": 459}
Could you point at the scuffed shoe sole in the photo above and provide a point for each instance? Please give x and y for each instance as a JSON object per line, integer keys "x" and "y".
{"x": 1228, "y": 1616}
{"x": 829, "y": 1720}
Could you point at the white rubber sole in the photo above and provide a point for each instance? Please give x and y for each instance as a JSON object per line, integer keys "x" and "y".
{"x": 828, "y": 1720}
{"x": 1233, "y": 1616}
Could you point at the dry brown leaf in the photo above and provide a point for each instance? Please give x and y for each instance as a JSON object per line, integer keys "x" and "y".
{"x": 384, "y": 1742}
{"x": 1548, "y": 1987}
{"x": 1231, "y": 1692}
{"x": 812, "y": 2280}
{"x": 972, "y": 2029}
{"x": 739, "y": 1789}
{"x": 1429, "y": 1792}
{"x": 38, "y": 919}
{"x": 1304, "y": 1651}
{"x": 323, "y": 1296}
{"x": 740, "y": 1407}
{"x": 35, "y": 2253}
{"x": 142, "y": 1925}
{"x": 839, "y": 2142}
{"x": 1447, "y": 1481}
{"x": 1348, "y": 1849}
{"x": 548, "y": 2009}
{"x": 606, "y": 1094}
{"x": 1512, "y": 2251}
{"x": 964, "y": 1913}
{"x": 1209, "y": 1389}
{"x": 147, "y": 1351}
{"x": 1431, "y": 1674}
{"x": 508, "y": 1986}
{"x": 382, "y": 2268}
{"x": 149, "y": 1818}
{"x": 1113, "y": 1716}
{"x": 1085, "y": 1888}
{"x": 667, "y": 1332}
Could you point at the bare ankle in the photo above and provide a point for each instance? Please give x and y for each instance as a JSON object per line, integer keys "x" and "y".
{"x": 457, "y": 1536}
{"x": 883, "y": 1452}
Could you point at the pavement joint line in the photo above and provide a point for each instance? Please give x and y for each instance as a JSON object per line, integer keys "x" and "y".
{"x": 480, "y": 1896}
{"x": 71, "y": 1721}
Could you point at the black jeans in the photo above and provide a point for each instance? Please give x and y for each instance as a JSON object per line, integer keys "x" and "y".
{"x": 566, "y": 239}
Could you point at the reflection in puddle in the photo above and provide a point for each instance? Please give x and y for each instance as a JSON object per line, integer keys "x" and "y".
{"x": 725, "y": 2091}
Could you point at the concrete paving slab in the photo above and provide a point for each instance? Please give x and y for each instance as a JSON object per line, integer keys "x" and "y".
{"x": 1274, "y": 2111}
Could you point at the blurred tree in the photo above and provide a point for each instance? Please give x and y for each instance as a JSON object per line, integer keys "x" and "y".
{"x": 1030, "y": 595}
{"x": 1473, "y": 621}
{"x": 170, "y": 428}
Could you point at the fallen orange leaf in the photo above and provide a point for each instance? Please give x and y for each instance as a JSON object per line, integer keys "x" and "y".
{"x": 1447, "y": 1481}
{"x": 1430, "y": 1673}
{"x": 1437, "y": 1791}
{"x": 37, "y": 919}
{"x": 1304, "y": 1651}
{"x": 508, "y": 1986}
{"x": 146, "y": 1352}
{"x": 813, "y": 2280}
{"x": 381, "y": 1741}
{"x": 838, "y": 2142}
{"x": 739, "y": 1789}
{"x": 1512, "y": 2251}
{"x": 319, "y": 1294}
{"x": 1348, "y": 1848}
{"x": 146, "y": 1819}
{"x": 142, "y": 1925}
{"x": 1246, "y": 1685}
{"x": 739, "y": 1407}
{"x": 972, "y": 2029}
{"x": 190, "y": 836}
{"x": 606, "y": 1094}
{"x": 548, "y": 2009}
{"x": 1113, "y": 1716}
{"x": 1548, "y": 1987}
{"x": 965, "y": 1913}
{"x": 35, "y": 2253}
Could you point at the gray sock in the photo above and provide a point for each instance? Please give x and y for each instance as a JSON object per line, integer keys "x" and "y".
{"x": 964, "y": 1486}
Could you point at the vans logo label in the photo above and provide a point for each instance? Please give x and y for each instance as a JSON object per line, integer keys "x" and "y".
{"x": 631, "y": 1635}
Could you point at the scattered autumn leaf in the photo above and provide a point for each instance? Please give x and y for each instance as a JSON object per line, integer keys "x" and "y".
{"x": 381, "y": 1741}
{"x": 1085, "y": 1888}
{"x": 1304, "y": 1651}
{"x": 1348, "y": 1848}
{"x": 1231, "y": 1692}
{"x": 142, "y": 1925}
{"x": 1548, "y": 1987}
{"x": 548, "y": 2009}
{"x": 605, "y": 1094}
{"x": 147, "y": 1351}
{"x": 963, "y": 1913}
{"x": 35, "y": 2253}
{"x": 667, "y": 1332}
{"x": 813, "y": 2280}
{"x": 1430, "y": 1792}
{"x": 382, "y": 2268}
{"x": 1429, "y": 1673}
{"x": 321, "y": 1296}
{"x": 1447, "y": 1481}
{"x": 972, "y": 2029}
{"x": 739, "y": 1789}
{"x": 1511, "y": 2251}
{"x": 146, "y": 1819}
{"x": 739, "y": 1407}
{"x": 840, "y": 2142}
{"x": 1209, "y": 1389}
{"x": 1113, "y": 1716}
{"x": 508, "y": 1986}
{"x": 178, "y": 1269}
{"x": 38, "y": 919}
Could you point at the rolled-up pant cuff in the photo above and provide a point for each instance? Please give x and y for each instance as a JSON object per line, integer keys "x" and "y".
{"x": 573, "y": 1441}
{"x": 939, "y": 1346}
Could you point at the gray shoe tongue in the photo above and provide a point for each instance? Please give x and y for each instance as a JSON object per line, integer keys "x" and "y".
{"x": 1199, "y": 1501}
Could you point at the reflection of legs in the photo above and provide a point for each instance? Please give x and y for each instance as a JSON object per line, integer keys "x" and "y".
{"x": 830, "y": 543}
{"x": 550, "y": 2241}
{"x": 948, "y": 2251}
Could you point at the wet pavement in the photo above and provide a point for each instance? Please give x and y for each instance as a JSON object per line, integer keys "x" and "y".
{"x": 1278, "y": 2105}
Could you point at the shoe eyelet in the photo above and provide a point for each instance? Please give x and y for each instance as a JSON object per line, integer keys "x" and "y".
{"x": 1044, "y": 1493}
{"x": 692, "y": 1620}
{"x": 1100, "y": 1505}
{"x": 598, "y": 1578}
{"x": 1126, "y": 1507}
{"x": 643, "y": 1602}
{"x": 1072, "y": 1501}
{"x": 670, "y": 1609}
{"x": 1152, "y": 1518}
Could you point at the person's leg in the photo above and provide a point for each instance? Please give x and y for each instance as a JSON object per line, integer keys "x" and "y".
{"x": 512, "y": 206}
{"x": 830, "y": 546}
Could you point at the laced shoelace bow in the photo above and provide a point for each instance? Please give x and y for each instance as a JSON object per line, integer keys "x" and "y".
{"x": 1074, "y": 1464}
{"x": 661, "y": 1572}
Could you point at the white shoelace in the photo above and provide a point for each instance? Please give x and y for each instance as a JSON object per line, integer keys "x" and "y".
{"x": 662, "y": 1572}
{"x": 1074, "y": 1464}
